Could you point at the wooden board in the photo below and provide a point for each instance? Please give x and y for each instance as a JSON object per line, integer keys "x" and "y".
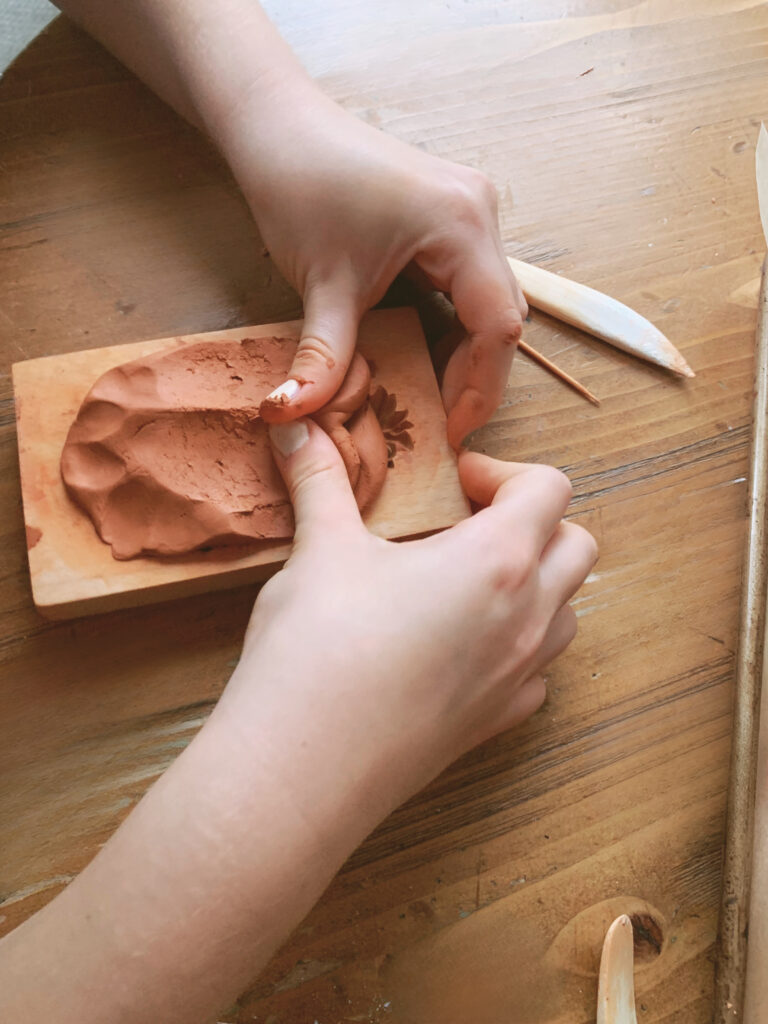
{"x": 73, "y": 571}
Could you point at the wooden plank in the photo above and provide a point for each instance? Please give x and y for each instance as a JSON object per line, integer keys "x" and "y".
{"x": 73, "y": 571}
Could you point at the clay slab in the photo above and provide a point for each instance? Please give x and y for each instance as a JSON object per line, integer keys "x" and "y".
{"x": 72, "y": 571}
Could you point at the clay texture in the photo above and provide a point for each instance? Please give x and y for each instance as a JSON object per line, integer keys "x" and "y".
{"x": 169, "y": 455}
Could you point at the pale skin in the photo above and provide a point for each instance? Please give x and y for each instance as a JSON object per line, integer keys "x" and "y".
{"x": 436, "y": 645}
{"x": 342, "y": 207}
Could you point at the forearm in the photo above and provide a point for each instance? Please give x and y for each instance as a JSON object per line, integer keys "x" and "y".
{"x": 190, "y": 897}
{"x": 205, "y": 59}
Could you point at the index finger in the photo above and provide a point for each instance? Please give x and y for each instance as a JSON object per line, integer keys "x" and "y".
{"x": 488, "y": 306}
{"x": 323, "y": 355}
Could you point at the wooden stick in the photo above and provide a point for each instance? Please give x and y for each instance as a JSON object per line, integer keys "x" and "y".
{"x": 734, "y": 907}
{"x": 756, "y": 976}
{"x": 598, "y": 314}
{"x": 616, "y": 984}
{"x": 549, "y": 365}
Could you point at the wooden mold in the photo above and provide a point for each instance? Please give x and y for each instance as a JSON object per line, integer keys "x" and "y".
{"x": 73, "y": 572}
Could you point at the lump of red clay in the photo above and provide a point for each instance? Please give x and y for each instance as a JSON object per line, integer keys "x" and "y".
{"x": 169, "y": 455}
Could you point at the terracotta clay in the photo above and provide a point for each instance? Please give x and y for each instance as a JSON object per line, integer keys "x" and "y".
{"x": 168, "y": 454}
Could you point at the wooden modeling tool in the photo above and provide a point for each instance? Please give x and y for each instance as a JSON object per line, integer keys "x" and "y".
{"x": 73, "y": 571}
{"x": 616, "y": 985}
{"x": 736, "y": 917}
{"x": 756, "y": 969}
{"x": 598, "y": 314}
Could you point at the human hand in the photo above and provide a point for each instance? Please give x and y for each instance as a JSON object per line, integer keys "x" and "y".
{"x": 376, "y": 664}
{"x": 343, "y": 209}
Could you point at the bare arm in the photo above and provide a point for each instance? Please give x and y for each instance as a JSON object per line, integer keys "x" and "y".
{"x": 203, "y": 59}
{"x": 188, "y": 899}
{"x": 339, "y": 710}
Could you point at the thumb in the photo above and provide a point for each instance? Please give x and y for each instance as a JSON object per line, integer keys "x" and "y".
{"x": 316, "y": 478}
{"x": 326, "y": 347}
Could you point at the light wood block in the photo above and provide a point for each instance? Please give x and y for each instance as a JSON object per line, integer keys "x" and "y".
{"x": 73, "y": 571}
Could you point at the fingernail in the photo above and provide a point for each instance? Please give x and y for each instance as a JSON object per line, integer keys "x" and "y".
{"x": 289, "y": 437}
{"x": 285, "y": 393}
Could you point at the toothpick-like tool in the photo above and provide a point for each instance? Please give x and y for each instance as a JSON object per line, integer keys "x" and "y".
{"x": 549, "y": 365}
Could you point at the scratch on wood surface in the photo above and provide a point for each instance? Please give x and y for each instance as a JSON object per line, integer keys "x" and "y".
{"x": 726, "y": 443}
{"x": 723, "y": 483}
{"x": 561, "y": 351}
{"x": 34, "y": 888}
{"x": 478, "y": 873}
{"x": 305, "y": 970}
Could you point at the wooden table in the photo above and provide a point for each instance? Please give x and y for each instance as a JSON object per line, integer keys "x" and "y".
{"x": 621, "y": 137}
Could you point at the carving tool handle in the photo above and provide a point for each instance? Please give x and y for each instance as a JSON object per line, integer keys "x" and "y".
{"x": 616, "y": 983}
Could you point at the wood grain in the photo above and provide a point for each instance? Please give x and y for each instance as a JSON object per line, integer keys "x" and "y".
{"x": 73, "y": 572}
{"x": 637, "y": 178}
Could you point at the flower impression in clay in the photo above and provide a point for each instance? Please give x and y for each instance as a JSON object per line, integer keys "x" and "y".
{"x": 169, "y": 454}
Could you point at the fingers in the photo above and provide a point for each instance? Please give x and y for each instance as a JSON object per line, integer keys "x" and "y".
{"x": 326, "y": 347}
{"x": 488, "y": 306}
{"x": 481, "y": 476}
{"x": 525, "y": 700}
{"x": 522, "y": 302}
{"x": 316, "y": 479}
{"x": 530, "y": 499}
{"x": 562, "y": 630}
{"x": 565, "y": 563}
{"x": 530, "y": 695}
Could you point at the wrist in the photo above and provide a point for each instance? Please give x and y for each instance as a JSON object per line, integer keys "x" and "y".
{"x": 269, "y": 134}
{"x": 337, "y": 781}
{"x": 259, "y": 105}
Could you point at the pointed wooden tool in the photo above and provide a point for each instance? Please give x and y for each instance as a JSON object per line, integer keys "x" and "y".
{"x": 616, "y": 986}
{"x": 598, "y": 314}
{"x": 737, "y": 919}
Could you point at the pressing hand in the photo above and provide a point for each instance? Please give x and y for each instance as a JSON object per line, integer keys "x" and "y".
{"x": 343, "y": 209}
